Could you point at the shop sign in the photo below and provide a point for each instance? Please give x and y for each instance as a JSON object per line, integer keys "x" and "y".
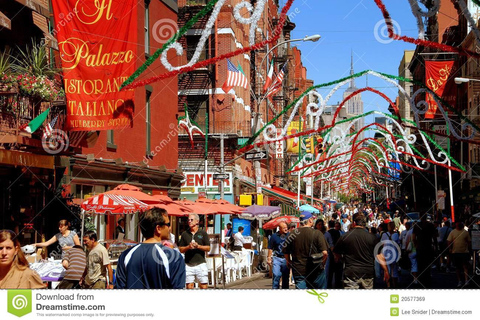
{"x": 194, "y": 183}
{"x": 19, "y": 158}
{"x": 441, "y": 199}
{"x": 97, "y": 44}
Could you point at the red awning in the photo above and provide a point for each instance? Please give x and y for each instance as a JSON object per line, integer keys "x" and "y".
{"x": 230, "y": 206}
{"x": 133, "y": 192}
{"x": 173, "y": 209}
{"x": 213, "y": 205}
{"x": 198, "y": 208}
{"x": 113, "y": 204}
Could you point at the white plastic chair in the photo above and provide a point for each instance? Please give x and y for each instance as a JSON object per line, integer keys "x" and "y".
{"x": 249, "y": 263}
{"x": 230, "y": 270}
{"x": 210, "y": 268}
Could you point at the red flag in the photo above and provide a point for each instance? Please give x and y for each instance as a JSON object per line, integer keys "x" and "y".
{"x": 277, "y": 84}
{"x": 269, "y": 80}
{"x": 439, "y": 78}
{"x": 48, "y": 129}
{"x": 235, "y": 78}
{"x": 98, "y": 51}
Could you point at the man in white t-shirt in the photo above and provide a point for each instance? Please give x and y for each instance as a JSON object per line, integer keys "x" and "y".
{"x": 239, "y": 240}
{"x": 345, "y": 225}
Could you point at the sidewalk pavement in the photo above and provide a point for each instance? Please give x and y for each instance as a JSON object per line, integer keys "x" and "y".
{"x": 256, "y": 281}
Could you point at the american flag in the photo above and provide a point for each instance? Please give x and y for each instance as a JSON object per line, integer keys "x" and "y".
{"x": 277, "y": 84}
{"x": 235, "y": 78}
{"x": 47, "y": 131}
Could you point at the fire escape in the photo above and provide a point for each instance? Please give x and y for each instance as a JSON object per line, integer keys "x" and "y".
{"x": 195, "y": 87}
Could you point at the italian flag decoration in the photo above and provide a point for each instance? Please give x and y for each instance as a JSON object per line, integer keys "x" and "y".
{"x": 189, "y": 125}
{"x": 269, "y": 80}
{"x": 36, "y": 123}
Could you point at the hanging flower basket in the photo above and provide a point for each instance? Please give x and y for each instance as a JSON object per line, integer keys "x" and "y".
{"x": 31, "y": 86}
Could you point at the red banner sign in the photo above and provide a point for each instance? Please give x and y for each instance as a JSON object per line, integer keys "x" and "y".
{"x": 97, "y": 42}
{"x": 439, "y": 78}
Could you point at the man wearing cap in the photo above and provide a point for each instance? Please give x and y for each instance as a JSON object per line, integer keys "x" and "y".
{"x": 276, "y": 258}
{"x": 358, "y": 249}
{"x": 300, "y": 246}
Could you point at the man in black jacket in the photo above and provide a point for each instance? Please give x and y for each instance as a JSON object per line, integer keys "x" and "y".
{"x": 300, "y": 245}
{"x": 358, "y": 248}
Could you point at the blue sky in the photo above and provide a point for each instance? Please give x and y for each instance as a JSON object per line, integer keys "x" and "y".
{"x": 346, "y": 26}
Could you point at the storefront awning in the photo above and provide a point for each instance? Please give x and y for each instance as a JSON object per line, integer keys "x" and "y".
{"x": 5, "y": 22}
{"x": 280, "y": 193}
{"x": 113, "y": 204}
{"x": 27, "y": 159}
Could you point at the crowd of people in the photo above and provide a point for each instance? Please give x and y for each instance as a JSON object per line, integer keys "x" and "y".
{"x": 363, "y": 247}
{"x": 353, "y": 247}
{"x": 156, "y": 263}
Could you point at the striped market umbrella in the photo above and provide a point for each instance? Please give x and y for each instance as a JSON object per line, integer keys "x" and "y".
{"x": 272, "y": 224}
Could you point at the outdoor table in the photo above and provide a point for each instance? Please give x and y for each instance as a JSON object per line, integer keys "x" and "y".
{"x": 51, "y": 272}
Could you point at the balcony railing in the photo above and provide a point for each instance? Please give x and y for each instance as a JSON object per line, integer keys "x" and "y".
{"x": 183, "y": 3}
{"x": 16, "y": 111}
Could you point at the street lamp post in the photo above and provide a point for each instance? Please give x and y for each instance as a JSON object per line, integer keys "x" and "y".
{"x": 313, "y": 38}
{"x": 460, "y": 80}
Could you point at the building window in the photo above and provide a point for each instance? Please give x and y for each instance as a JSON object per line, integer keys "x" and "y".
{"x": 110, "y": 140}
{"x": 148, "y": 119}
{"x": 192, "y": 42}
{"x": 147, "y": 27}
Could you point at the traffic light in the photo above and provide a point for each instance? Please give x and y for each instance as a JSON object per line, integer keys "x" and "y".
{"x": 319, "y": 146}
{"x": 309, "y": 145}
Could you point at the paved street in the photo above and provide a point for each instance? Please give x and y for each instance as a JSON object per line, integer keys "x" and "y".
{"x": 440, "y": 280}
